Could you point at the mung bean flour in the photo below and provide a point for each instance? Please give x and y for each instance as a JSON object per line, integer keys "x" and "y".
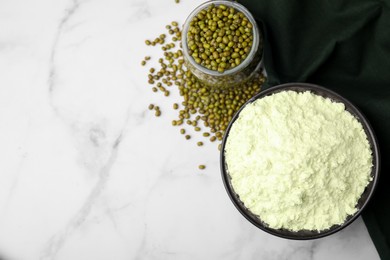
{"x": 298, "y": 161}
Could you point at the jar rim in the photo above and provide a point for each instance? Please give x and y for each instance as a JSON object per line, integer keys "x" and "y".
{"x": 252, "y": 52}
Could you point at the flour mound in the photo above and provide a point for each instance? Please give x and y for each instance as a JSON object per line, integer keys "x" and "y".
{"x": 298, "y": 161}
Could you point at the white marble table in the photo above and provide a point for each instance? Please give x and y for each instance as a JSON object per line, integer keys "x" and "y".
{"x": 88, "y": 173}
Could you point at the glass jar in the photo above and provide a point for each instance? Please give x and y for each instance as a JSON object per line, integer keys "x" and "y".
{"x": 234, "y": 76}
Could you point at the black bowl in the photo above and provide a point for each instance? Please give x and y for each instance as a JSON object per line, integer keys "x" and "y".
{"x": 364, "y": 199}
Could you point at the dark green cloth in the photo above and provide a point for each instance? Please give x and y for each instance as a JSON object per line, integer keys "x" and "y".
{"x": 344, "y": 46}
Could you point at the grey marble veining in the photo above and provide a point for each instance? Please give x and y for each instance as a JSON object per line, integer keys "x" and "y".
{"x": 88, "y": 172}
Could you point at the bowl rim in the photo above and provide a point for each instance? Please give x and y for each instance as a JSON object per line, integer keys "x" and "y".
{"x": 327, "y": 93}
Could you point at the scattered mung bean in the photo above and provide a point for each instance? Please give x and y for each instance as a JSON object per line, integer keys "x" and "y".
{"x": 213, "y": 107}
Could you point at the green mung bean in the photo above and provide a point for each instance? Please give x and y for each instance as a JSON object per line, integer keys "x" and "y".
{"x": 215, "y": 37}
{"x": 201, "y": 105}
